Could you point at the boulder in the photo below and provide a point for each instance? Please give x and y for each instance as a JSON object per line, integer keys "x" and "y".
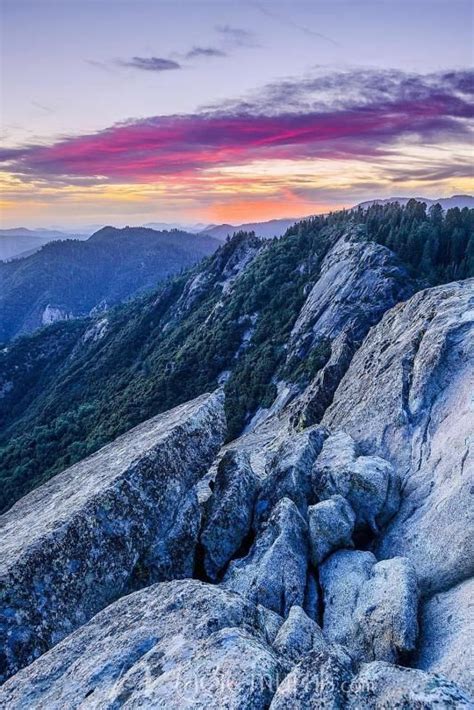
{"x": 274, "y": 571}
{"x": 369, "y": 483}
{"x": 229, "y": 511}
{"x": 172, "y": 645}
{"x": 341, "y": 577}
{"x": 298, "y": 635}
{"x": 385, "y": 617}
{"x": 382, "y": 685}
{"x": 331, "y": 524}
{"x": 370, "y": 607}
{"x": 288, "y": 472}
{"x": 123, "y": 517}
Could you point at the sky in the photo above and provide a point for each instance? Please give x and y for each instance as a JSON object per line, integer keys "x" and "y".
{"x": 133, "y": 111}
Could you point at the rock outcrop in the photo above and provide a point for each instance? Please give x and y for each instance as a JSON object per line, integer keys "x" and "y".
{"x": 274, "y": 571}
{"x": 407, "y": 396}
{"x": 327, "y": 553}
{"x": 124, "y": 517}
{"x": 174, "y": 645}
{"x": 358, "y": 282}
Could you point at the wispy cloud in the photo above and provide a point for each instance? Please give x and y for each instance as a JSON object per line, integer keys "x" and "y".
{"x": 237, "y": 36}
{"x": 360, "y": 115}
{"x": 154, "y": 64}
{"x": 197, "y": 52}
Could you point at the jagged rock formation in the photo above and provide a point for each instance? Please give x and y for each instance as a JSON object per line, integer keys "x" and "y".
{"x": 298, "y": 635}
{"x": 289, "y": 472}
{"x": 358, "y": 282}
{"x": 274, "y": 571}
{"x": 334, "y": 559}
{"x": 408, "y": 396}
{"x": 126, "y": 516}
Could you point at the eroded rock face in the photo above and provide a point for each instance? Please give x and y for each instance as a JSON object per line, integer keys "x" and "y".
{"x": 331, "y": 524}
{"x": 369, "y": 483}
{"x": 274, "y": 572}
{"x": 446, "y": 633}
{"x": 407, "y": 396}
{"x": 173, "y": 645}
{"x": 121, "y": 518}
{"x": 229, "y": 511}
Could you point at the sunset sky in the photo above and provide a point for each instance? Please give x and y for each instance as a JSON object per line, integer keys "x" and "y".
{"x": 127, "y": 112}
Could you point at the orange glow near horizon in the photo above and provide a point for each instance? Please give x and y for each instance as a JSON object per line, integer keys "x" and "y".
{"x": 255, "y": 192}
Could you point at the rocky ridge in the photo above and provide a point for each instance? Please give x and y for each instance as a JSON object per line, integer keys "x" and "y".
{"x": 298, "y": 567}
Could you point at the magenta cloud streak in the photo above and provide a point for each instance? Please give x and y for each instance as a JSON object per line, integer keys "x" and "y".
{"x": 290, "y": 121}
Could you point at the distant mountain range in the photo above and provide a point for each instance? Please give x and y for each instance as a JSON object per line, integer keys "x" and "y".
{"x": 264, "y": 230}
{"x": 19, "y": 242}
{"x": 72, "y": 278}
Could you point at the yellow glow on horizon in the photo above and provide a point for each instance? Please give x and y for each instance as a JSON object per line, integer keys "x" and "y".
{"x": 256, "y": 191}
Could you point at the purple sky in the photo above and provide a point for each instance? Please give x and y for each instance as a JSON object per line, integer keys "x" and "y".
{"x": 223, "y": 111}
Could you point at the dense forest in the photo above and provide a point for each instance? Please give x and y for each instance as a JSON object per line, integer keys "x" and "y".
{"x": 437, "y": 245}
{"x": 70, "y": 388}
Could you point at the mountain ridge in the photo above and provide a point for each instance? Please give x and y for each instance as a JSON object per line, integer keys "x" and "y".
{"x": 67, "y": 279}
{"x": 75, "y": 385}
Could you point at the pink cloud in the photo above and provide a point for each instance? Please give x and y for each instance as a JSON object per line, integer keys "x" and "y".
{"x": 376, "y": 110}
